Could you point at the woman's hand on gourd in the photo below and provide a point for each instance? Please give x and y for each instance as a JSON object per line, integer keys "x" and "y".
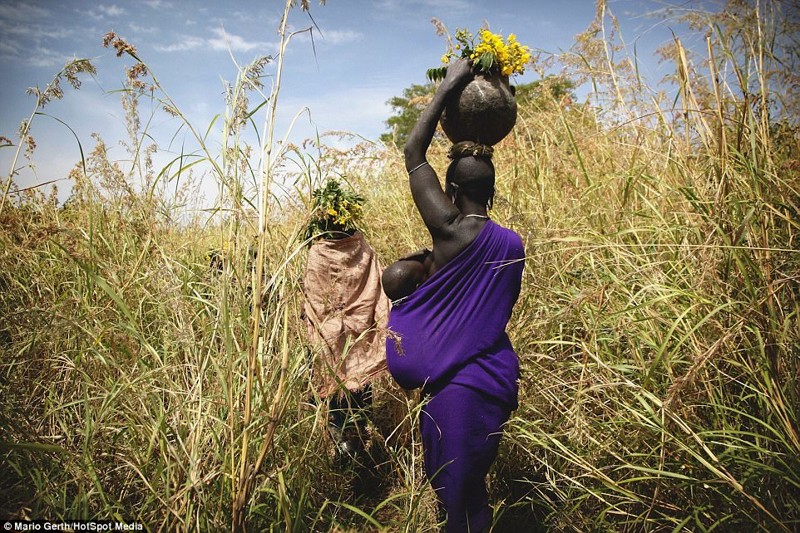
{"x": 459, "y": 73}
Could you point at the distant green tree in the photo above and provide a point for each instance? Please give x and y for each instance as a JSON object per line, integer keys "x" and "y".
{"x": 406, "y": 109}
{"x": 544, "y": 92}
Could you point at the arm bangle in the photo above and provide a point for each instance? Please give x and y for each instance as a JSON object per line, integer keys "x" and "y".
{"x": 417, "y": 167}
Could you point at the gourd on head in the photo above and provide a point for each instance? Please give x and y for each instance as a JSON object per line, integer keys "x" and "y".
{"x": 484, "y": 110}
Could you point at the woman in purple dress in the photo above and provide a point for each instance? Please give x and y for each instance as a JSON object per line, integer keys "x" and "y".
{"x": 448, "y": 336}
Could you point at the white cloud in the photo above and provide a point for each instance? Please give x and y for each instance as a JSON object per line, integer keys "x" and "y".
{"x": 241, "y": 16}
{"x": 31, "y": 45}
{"x": 103, "y": 12}
{"x": 9, "y": 50}
{"x": 224, "y": 40}
{"x": 332, "y": 37}
{"x": 24, "y": 30}
{"x": 113, "y": 10}
{"x": 186, "y": 42}
{"x": 22, "y": 12}
{"x": 34, "y": 32}
{"x": 158, "y": 4}
{"x": 142, "y": 29}
{"x": 45, "y": 57}
{"x": 450, "y": 7}
{"x": 342, "y": 36}
{"x": 447, "y": 6}
{"x": 221, "y": 41}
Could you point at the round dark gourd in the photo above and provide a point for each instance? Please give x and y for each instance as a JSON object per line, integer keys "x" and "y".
{"x": 483, "y": 111}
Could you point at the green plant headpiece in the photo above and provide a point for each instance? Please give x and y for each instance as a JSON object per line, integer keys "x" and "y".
{"x": 335, "y": 211}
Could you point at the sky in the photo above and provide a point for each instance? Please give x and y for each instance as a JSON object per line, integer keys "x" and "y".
{"x": 363, "y": 53}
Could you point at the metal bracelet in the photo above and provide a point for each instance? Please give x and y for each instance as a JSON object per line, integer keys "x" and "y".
{"x": 417, "y": 167}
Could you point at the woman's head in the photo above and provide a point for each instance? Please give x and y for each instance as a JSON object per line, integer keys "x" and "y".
{"x": 471, "y": 172}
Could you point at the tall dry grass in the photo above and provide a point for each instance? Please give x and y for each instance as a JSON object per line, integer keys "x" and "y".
{"x": 658, "y": 325}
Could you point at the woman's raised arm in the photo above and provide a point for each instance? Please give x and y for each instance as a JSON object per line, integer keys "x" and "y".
{"x": 435, "y": 207}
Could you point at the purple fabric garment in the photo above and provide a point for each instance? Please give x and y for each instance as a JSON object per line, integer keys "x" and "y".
{"x": 461, "y": 431}
{"x": 451, "y": 329}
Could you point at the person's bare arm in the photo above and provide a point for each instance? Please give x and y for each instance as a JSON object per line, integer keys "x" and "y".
{"x": 434, "y": 206}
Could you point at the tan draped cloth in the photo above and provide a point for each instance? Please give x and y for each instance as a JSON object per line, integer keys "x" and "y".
{"x": 346, "y": 313}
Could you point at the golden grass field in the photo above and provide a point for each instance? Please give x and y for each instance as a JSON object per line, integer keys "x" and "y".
{"x": 658, "y": 326}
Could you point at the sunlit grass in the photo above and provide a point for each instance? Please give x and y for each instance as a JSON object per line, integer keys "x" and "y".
{"x": 658, "y": 326}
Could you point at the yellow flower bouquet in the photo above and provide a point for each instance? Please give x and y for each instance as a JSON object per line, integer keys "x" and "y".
{"x": 490, "y": 55}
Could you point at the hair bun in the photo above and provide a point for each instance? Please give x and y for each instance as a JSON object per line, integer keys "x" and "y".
{"x": 470, "y": 148}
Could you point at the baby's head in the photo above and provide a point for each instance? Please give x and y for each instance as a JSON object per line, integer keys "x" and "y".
{"x": 402, "y": 277}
